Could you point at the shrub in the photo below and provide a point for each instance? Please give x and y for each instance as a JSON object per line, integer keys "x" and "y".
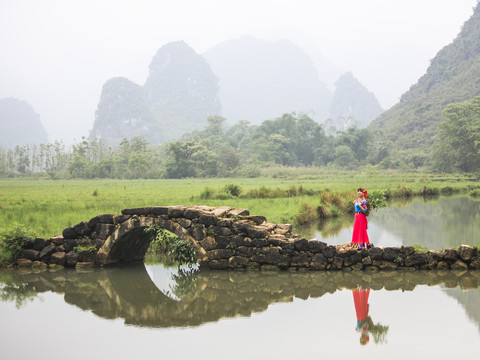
{"x": 169, "y": 243}
{"x": 306, "y": 215}
{"x": 232, "y": 189}
{"x": 12, "y": 242}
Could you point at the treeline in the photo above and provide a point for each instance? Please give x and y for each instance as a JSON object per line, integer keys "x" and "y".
{"x": 243, "y": 150}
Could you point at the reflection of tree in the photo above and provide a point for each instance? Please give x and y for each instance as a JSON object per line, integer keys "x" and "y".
{"x": 14, "y": 290}
{"x": 206, "y": 296}
{"x": 445, "y": 222}
{"x": 378, "y": 331}
{"x": 185, "y": 282}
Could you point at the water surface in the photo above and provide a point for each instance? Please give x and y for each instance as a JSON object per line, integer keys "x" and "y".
{"x": 153, "y": 311}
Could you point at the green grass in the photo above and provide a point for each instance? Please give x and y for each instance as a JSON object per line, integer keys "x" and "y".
{"x": 47, "y": 207}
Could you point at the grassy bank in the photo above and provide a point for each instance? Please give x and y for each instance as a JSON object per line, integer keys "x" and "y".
{"x": 46, "y": 207}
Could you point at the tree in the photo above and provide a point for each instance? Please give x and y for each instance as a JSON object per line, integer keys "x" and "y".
{"x": 459, "y": 145}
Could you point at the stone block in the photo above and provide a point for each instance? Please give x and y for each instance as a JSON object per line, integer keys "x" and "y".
{"x": 220, "y": 254}
{"x": 30, "y": 254}
{"x": 238, "y": 212}
{"x": 103, "y": 231}
{"x": 58, "y": 258}
{"x": 467, "y": 252}
{"x": 259, "y": 243}
{"x": 208, "y": 219}
{"x": 40, "y": 243}
{"x": 257, "y": 219}
{"x": 337, "y": 263}
{"x": 300, "y": 260}
{"x": 100, "y": 219}
{"x": 375, "y": 253}
{"x": 301, "y": 244}
{"x": 118, "y": 219}
{"x": 70, "y": 244}
{"x": 46, "y": 253}
{"x": 82, "y": 229}
{"x": 416, "y": 259}
{"x": 255, "y": 232}
{"x": 450, "y": 255}
{"x": 137, "y": 211}
{"x": 318, "y": 262}
{"x": 316, "y": 246}
{"x": 391, "y": 253}
{"x": 71, "y": 259}
{"x": 330, "y": 251}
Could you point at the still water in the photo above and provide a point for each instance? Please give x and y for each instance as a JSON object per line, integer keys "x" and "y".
{"x": 434, "y": 223}
{"x": 151, "y": 311}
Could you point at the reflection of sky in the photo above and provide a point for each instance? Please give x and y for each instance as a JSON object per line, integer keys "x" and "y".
{"x": 424, "y": 323}
{"x": 162, "y": 277}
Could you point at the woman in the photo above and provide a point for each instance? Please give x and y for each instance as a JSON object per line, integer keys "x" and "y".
{"x": 360, "y": 237}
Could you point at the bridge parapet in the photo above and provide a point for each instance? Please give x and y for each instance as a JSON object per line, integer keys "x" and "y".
{"x": 226, "y": 238}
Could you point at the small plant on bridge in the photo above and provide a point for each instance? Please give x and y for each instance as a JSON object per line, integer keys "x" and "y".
{"x": 12, "y": 242}
{"x": 169, "y": 243}
{"x": 80, "y": 248}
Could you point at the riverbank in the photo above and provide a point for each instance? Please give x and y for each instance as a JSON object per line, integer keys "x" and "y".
{"x": 46, "y": 206}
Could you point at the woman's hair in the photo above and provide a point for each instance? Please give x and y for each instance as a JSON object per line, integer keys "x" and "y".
{"x": 363, "y": 191}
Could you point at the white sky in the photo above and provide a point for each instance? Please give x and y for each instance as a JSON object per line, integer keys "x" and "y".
{"x": 57, "y": 54}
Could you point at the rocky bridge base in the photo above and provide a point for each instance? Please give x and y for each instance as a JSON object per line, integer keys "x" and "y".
{"x": 225, "y": 238}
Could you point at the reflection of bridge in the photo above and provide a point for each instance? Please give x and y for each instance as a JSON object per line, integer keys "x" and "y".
{"x": 227, "y": 238}
{"x": 207, "y": 296}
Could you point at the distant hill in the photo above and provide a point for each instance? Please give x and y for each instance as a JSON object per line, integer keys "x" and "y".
{"x": 19, "y": 124}
{"x": 352, "y": 103}
{"x": 181, "y": 90}
{"x": 261, "y": 80}
{"x": 123, "y": 112}
{"x": 180, "y": 93}
{"x": 453, "y": 76}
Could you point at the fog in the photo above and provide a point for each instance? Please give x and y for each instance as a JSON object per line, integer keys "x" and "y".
{"x": 57, "y": 54}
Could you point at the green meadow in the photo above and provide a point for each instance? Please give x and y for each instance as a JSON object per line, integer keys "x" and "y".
{"x": 46, "y": 207}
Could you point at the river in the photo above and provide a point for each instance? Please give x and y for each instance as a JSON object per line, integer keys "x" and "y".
{"x": 152, "y": 310}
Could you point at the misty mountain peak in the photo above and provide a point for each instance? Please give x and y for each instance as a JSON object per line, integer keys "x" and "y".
{"x": 19, "y": 124}
{"x": 352, "y": 103}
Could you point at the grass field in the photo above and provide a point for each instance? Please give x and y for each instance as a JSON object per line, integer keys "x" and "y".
{"x": 46, "y": 207}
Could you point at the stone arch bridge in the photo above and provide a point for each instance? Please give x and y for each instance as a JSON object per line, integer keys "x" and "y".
{"x": 225, "y": 238}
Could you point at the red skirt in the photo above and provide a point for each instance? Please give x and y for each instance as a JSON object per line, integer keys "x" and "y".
{"x": 360, "y": 235}
{"x": 360, "y": 299}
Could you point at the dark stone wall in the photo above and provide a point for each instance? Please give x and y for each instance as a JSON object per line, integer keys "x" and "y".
{"x": 227, "y": 238}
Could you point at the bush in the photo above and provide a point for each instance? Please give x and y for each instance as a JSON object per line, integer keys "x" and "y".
{"x": 12, "y": 242}
{"x": 232, "y": 189}
{"x": 164, "y": 241}
{"x": 306, "y": 215}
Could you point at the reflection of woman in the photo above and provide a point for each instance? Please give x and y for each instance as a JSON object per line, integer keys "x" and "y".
{"x": 360, "y": 236}
{"x": 360, "y": 298}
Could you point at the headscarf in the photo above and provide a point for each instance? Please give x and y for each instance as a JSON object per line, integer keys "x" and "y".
{"x": 364, "y": 191}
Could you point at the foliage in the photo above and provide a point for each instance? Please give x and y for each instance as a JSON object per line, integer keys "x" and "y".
{"x": 80, "y": 248}
{"x": 164, "y": 241}
{"x": 233, "y": 189}
{"x": 306, "y": 215}
{"x": 15, "y": 290}
{"x": 47, "y": 207}
{"x": 376, "y": 200}
{"x": 459, "y": 145}
{"x": 12, "y": 241}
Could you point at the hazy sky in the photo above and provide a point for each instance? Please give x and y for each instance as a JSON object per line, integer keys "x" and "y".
{"x": 57, "y": 54}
